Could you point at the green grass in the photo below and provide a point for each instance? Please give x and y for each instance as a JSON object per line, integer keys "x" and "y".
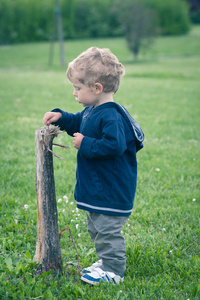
{"x": 162, "y": 92}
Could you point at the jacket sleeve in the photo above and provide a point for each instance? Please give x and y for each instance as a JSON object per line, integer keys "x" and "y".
{"x": 112, "y": 143}
{"x": 68, "y": 122}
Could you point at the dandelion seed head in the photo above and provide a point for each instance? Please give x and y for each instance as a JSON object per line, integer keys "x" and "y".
{"x": 193, "y": 199}
{"x": 26, "y": 206}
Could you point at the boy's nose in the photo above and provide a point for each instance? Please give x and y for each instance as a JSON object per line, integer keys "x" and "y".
{"x": 74, "y": 93}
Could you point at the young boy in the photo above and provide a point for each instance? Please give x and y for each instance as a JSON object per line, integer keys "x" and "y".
{"x": 107, "y": 139}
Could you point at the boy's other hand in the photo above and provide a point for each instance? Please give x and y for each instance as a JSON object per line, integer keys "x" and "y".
{"x": 51, "y": 117}
{"x": 77, "y": 140}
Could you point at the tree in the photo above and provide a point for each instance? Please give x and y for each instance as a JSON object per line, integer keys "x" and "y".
{"x": 139, "y": 23}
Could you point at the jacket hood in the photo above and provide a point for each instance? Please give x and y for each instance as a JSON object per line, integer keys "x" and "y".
{"x": 134, "y": 126}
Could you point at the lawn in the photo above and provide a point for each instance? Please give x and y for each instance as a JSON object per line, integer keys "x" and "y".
{"x": 162, "y": 92}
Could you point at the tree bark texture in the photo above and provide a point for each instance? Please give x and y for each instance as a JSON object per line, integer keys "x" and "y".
{"x": 48, "y": 244}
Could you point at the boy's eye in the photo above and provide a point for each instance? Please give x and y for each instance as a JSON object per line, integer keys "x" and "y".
{"x": 77, "y": 88}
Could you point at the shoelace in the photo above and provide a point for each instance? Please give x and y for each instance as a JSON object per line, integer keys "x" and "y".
{"x": 102, "y": 273}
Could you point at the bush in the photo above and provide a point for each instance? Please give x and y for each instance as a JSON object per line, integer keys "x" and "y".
{"x": 173, "y": 16}
{"x": 32, "y": 20}
{"x": 195, "y": 16}
{"x": 25, "y": 20}
{"x": 92, "y": 19}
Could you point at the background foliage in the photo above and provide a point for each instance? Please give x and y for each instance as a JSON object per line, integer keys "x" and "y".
{"x": 32, "y": 20}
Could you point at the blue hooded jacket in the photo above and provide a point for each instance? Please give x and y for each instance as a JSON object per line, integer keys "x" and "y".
{"x": 106, "y": 161}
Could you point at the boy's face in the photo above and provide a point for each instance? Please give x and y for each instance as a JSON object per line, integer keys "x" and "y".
{"x": 84, "y": 94}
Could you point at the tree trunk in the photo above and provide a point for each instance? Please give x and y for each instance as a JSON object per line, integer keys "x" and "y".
{"x": 47, "y": 248}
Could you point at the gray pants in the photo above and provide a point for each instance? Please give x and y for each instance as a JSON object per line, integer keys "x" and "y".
{"x": 105, "y": 232}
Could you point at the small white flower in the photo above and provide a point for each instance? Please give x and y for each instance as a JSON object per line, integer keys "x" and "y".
{"x": 59, "y": 200}
{"x": 79, "y": 235}
{"x": 65, "y": 197}
{"x": 63, "y": 210}
{"x": 78, "y": 215}
{"x": 16, "y": 221}
{"x": 164, "y": 229}
{"x": 157, "y": 170}
{"x": 26, "y": 206}
{"x": 76, "y": 226}
{"x": 76, "y": 210}
{"x": 193, "y": 199}
{"x": 72, "y": 220}
{"x": 128, "y": 225}
{"x": 71, "y": 203}
{"x": 73, "y": 211}
{"x": 67, "y": 201}
{"x": 170, "y": 251}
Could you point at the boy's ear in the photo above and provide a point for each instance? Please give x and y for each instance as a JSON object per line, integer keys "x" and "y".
{"x": 98, "y": 88}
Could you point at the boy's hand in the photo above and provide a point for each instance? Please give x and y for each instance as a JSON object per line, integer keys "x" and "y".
{"x": 77, "y": 140}
{"x": 51, "y": 117}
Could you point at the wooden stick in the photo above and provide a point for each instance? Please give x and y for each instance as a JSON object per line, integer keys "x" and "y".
{"x": 48, "y": 251}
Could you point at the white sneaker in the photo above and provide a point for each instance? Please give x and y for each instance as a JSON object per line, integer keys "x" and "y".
{"x": 98, "y": 275}
{"x": 92, "y": 267}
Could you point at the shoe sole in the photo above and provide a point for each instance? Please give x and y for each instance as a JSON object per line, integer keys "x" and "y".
{"x": 93, "y": 282}
{"x": 86, "y": 280}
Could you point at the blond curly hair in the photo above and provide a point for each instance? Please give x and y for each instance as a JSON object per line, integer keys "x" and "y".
{"x": 97, "y": 65}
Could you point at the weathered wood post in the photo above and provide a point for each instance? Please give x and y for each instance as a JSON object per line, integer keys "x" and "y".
{"x": 48, "y": 244}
